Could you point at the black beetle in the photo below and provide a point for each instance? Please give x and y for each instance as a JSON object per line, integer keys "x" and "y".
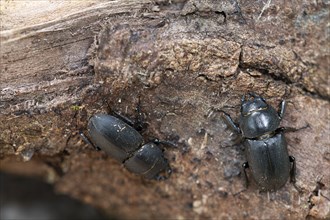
{"x": 266, "y": 149}
{"x": 125, "y": 144}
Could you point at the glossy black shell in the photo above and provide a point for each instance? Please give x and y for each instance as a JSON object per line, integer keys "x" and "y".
{"x": 114, "y": 136}
{"x": 147, "y": 161}
{"x": 257, "y": 118}
{"x": 125, "y": 144}
{"x": 268, "y": 161}
{"x": 259, "y": 122}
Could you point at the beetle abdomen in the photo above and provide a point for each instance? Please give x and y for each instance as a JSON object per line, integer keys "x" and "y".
{"x": 269, "y": 161}
{"x": 147, "y": 161}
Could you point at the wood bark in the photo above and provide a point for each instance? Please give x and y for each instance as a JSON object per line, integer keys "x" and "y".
{"x": 184, "y": 61}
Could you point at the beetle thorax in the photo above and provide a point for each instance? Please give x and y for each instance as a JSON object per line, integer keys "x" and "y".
{"x": 250, "y": 106}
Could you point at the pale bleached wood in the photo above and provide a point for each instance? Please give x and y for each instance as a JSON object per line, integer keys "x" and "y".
{"x": 48, "y": 56}
{"x": 199, "y": 56}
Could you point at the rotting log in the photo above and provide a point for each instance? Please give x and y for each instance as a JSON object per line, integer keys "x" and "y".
{"x": 183, "y": 59}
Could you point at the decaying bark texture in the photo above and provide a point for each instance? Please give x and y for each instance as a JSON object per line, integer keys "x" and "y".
{"x": 184, "y": 60}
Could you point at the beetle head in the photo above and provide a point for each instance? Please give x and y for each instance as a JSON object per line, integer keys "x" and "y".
{"x": 252, "y": 103}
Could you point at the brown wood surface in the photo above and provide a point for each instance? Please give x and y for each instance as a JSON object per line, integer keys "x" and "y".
{"x": 62, "y": 62}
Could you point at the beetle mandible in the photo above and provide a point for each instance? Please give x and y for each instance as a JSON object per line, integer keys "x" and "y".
{"x": 265, "y": 145}
{"x": 125, "y": 144}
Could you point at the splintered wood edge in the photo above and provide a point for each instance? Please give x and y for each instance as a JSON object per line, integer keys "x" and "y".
{"x": 52, "y": 54}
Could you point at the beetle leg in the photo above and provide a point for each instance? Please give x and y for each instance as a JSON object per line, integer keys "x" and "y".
{"x": 245, "y": 166}
{"x": 293, "y": 169}
{"x": 293, "y": 174}
{"x": 118, "y": 115}
{"x": 139, "y": 125}
{"x": 229, "y": 121}
{"x": 252, "y": 94}
{"x": 86, "y": 139}
{"x": 282, "y": 108}
{"x": 168, "y": 172}
{"x": 123, "y": 118}
{"x": 138, "y": 116}
{"x": 290, "y": 129}
{"x": 166, "y": 143}
{"x": 243, "y": 99}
